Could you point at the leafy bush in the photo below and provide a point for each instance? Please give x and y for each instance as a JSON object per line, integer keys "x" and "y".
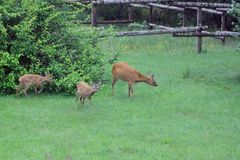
{"x": 37, "y": 36}
{"x": 236, "y": 13}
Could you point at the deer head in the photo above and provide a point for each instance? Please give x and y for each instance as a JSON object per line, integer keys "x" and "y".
{"x": 96, "y": 86}
{"x": 152, "y": 80}
{"x": 48, "y": 77}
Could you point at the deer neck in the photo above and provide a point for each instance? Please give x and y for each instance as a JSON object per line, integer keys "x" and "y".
{"x": 43, "y": 79}
{"x": 143, "y": 78}
{"x": 92, "y": 92}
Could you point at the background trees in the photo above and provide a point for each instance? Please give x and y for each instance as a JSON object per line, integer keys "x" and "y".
{"x": 163, "y": 17}
{"x": 236, "y": 13}
{"x": 38, "y": 36}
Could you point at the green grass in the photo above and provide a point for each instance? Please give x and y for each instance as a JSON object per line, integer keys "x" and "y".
{"x": 194, "y": 113}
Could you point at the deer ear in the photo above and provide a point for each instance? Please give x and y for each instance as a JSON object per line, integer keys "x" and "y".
{"x": 98, "y": 84}
{"x": 95, "y": 84}
{"x": 148, "y": 73}
{"x": 152, "y": 76}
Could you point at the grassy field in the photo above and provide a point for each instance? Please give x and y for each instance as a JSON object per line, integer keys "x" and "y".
{"x": 194, "y": 113}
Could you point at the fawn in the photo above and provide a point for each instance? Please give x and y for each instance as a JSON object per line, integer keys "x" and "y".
{"x": 28, "y": 80}
{"x": 86, "y": 91}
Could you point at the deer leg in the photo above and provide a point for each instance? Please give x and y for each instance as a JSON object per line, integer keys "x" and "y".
{"x": 89, "y": 98}
{"x": 80, "y": 98}
{"x": 35, "y": 89}
{"x": 114, "y": 80}
{"x": 19, "y": 87}
{"x": 25, "y": 90}
{"x": 41, "y": 86}
{"x": 77, "y": 96}
{"x": 132, "y": 89}
{"x": 83, "y": 99}
{"x": 129, "y": 88}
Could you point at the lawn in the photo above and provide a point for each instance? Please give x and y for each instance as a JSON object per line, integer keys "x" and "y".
{"x": 194, "y": 113}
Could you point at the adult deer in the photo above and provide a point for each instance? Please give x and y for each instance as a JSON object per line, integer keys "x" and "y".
{"x": 28, "y": 80}
{"x": 123, "y": 71}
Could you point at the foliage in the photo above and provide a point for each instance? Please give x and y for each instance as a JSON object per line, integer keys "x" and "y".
{"x": 137, "y": 26}
{"x": 112, "y": 12}
{"x": 39, "y": 36}
{"x": 236, "y": 13}
{"x": 161, "y": 16}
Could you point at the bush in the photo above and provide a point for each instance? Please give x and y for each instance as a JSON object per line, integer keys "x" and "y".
{"x": 37, "y": 36}
{"x": 236, "y": 13}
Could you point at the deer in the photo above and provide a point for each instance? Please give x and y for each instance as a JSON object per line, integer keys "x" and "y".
{"x": 34, "y": 80}
{"x": 86, "y": 91}
{"x": 122, "y": 71}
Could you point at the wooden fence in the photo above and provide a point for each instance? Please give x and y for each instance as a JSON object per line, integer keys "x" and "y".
{"x": 198, "y": 31}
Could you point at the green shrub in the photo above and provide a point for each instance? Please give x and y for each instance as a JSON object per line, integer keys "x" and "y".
{"x": 236, "y": 13}
{"x": 37, "y": 36}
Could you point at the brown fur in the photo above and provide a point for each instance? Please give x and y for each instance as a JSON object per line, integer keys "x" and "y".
{"x": 28, "y": 80}
{"x": 86, "y": 91}
{"x": 123, "y": 71}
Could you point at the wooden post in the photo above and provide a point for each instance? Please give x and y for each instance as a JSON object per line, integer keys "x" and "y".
{"x": 199, "y": 23}
{"x": 130, "y": 18}
{"x": 94, "y": 15}
{"x": 184, "y": 18}
{"x": 223, "y": 21}
{"x": 151, "y": 16}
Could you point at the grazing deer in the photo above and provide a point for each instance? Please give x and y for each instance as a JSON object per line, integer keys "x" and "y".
{"x": 123, "y": 71}
{"x": 28, "y": 80}
{"x": 86, "y": 91}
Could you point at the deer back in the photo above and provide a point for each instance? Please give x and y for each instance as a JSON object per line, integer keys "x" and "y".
{"x": 46, "y": 78}
{"x": 30, "y": 79}
{"x": 123, "y": 71}
{"x": 83, "y": 89}
{"x": 34, "y": 79}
